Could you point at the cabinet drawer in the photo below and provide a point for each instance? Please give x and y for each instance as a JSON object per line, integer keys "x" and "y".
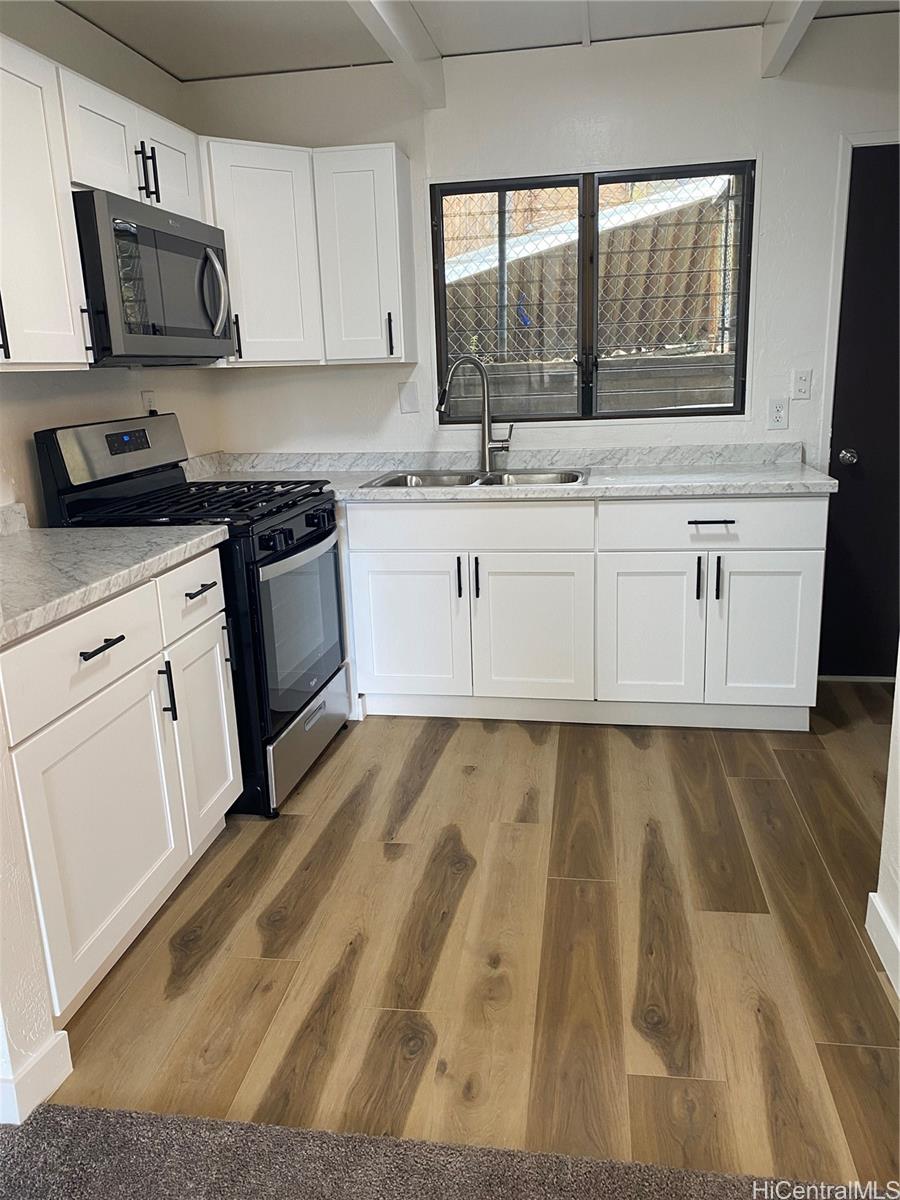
{"x": 469, "y": 525}
{"x": 190, "y": 594}
{"x": 729, "y": 524}
{"x": 47, "y": 675}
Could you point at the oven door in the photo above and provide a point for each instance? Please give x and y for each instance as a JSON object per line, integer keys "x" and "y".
{"x": 300, "y": 622}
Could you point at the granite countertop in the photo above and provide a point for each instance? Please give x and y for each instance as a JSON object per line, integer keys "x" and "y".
{"x": 603, "y": 483}
{"x": 49, "y": 574}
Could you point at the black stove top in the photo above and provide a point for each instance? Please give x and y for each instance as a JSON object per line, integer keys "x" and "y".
{"x": 235, "y": 503}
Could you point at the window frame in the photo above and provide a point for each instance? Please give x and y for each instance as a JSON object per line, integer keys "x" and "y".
{"x": 588, "y": 184}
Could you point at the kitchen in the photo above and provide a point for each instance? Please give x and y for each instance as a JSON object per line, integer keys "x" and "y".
{"x": 282, "y": 557}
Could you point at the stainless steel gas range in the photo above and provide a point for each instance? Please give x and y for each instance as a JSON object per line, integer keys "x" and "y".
{"x": 280, "y": 573}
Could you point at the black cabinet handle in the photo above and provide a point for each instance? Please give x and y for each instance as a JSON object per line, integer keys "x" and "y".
{"x": 238, "y": 348}
{"x": 699, "y": 574}
{"x": 229, "y": 657}
{"x": 4, "y": 336}
{"x": 477, "y": 579}
{"x": 714, "y": 521}
{"x": 718, "y": 576}
{"x": 459, "y": 575}
{"x": 108, "y": 643}
{"x": 390, "y": 323}
{"x": 171, "y": 707}
{"x": 144, "y": 187}
{"x": 201, "y": 590}
{"x": 155, "y": 191}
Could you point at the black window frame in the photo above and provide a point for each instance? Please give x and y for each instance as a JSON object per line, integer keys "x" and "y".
{"x": 588, "y": 184}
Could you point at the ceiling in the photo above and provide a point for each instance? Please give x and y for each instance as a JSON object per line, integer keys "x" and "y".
{"x": 204, "y": 39}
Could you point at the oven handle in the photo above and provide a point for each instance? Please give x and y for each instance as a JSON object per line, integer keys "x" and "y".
{"x": 297, "y": 560}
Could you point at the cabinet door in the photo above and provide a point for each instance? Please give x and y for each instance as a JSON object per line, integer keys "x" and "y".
{"x": 40, "y": 271}
{"x": 263, "y": 199}
{"x": 206, "y": 729}
{"x": 411, "y": 618}
{"x": 650, "y": 626}
{"x": 358, "y": 221}
{"x": 533, "y": 625}
{"x": 762, "y": 642}
{"x": 177, "y": 171}
{"x": 102, "y": 131}
{"x": 104, "y": 821}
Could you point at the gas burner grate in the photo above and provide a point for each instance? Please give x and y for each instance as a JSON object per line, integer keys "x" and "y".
{"x": 229, "y": 502}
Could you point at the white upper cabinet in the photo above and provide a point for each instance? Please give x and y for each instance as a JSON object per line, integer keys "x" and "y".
{"x": 533, "y": 625}
{"x": 363, "y": 211}
{"x": 40, "y": 273}
{"x": 263, "y": 198}
{"x": 651, "y": 626}
{"x": 117, "y": 146}
{"x": 762, "y": 641}
{"x": 173, "y": 166}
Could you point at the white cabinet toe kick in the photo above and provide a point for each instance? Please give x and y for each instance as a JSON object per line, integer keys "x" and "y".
{"x": 653, "y": 612}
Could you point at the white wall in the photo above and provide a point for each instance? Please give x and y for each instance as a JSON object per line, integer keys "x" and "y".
{"x": 649, "y": 102}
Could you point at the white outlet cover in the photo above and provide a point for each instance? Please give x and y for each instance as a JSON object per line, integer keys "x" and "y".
{"x": 409, "y": 396}
{"x": 779, "y": 413}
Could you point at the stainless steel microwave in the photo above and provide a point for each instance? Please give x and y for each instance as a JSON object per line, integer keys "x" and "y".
{"x": 156, "y": 284}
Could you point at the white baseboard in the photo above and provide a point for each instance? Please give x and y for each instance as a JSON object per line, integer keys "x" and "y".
{"x": 39, "y": 1078}
{"x": 885, "y": 938}
{"x": 591, "y": 712}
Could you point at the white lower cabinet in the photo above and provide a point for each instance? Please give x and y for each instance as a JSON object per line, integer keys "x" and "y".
{"x": 532, "y": 625}
{"x": 651, "y": 626}
{"x": 104, "y": 821}
{"x": 206, "y": 728}
{"x": 762, "y": 639}
{"x": 411, "y": 621}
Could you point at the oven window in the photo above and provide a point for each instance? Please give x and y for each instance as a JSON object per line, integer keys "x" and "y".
{"x": 301, "y": 620}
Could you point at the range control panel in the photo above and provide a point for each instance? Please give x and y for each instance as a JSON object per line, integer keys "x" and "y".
{"x": 125, "y": 443}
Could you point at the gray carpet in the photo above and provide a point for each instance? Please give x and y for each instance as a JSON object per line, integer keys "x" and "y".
{"x": 65, "y": 1153}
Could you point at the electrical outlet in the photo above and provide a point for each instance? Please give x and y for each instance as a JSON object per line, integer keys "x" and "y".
{"x": 779, "y": 413}
{"x": 801, "y": 384}
{"x": 148, "y": 400}
{"x": 409, "y": 396}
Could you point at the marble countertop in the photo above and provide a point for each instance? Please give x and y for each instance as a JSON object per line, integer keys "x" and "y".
{"x": 601, "y": 483}
{"x": 49, "y": 574}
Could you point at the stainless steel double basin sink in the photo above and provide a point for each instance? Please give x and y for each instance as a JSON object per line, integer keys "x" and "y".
{"x": 429, "y": 479}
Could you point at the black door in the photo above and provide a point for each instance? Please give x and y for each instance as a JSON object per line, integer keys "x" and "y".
{"x": 862, "y": 564}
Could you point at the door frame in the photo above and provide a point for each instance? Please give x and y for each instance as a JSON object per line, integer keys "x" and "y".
{"x": 847, "y": 143}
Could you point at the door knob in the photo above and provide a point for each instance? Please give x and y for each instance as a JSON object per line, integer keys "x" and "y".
{"x": 848, "y": 457}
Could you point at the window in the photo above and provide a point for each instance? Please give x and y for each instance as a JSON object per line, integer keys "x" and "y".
{"x": 595, "y": 296}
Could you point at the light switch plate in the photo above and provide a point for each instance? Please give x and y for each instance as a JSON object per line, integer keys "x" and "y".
{"x": 148, "y": 400}
{"x": 409, "y": 396}
{"x": 801, "y": 383}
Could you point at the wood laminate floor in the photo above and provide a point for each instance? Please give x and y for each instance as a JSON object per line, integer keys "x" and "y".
{"x": 619, "y": 942}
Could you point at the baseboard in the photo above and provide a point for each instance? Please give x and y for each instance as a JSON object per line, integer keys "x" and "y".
{"x": 39, "y": 1078}
{"x": 885, "y": 938}
{"x": 591, "y": 712}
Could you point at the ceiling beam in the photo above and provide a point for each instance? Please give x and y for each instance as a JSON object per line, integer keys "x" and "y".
{"x": 397, "y": 28}
{"x": 782, "y": 32}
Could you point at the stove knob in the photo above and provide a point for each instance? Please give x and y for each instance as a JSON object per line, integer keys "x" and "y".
{"x": 275, "y": 539}
{"x": 320, "y": 518}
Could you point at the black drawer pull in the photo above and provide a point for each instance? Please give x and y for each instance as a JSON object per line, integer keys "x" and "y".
{"x": 201, "y": 590}
{"x": 699, "y": 574}
{"x": 108, "y": 643}
{"x": 459, "y": 576}
{"x": 477, "y": 579}
{"x": 711, "y": 521}
{"x": 718, "y": 576}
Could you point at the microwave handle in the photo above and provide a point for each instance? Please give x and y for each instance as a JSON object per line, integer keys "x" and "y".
{"x": 219, "y": 323}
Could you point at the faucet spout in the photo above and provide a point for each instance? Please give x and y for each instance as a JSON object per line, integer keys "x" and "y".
{"x": 489, "y": 445}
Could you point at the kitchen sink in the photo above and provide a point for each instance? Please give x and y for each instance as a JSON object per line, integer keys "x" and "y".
{"x": 530, "y": 478}
{"x": 426, "y": 479}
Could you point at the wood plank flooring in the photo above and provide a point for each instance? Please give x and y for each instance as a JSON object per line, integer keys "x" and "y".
{"x": 617, "y": 942}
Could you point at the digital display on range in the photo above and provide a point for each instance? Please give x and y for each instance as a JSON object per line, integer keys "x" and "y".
{"x": 124, "y": 443}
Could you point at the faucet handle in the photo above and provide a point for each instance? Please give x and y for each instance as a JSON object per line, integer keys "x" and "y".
{"x": 508, "y": 437}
